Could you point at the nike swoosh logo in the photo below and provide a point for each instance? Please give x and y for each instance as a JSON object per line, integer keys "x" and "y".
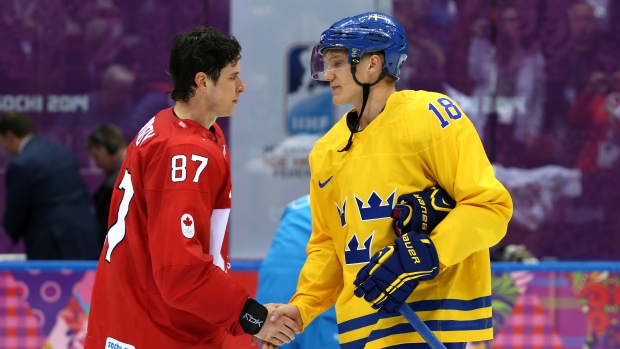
{"x": 321, "y": 185}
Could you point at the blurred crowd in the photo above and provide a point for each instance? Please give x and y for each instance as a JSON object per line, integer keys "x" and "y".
{"x": 540, "y": 80}
{"x": 525, "y": 72}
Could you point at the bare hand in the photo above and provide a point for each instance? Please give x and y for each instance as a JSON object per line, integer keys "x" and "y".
{"x": 287, "y": 310}
{"x": 264, "y": 344}
{"x": 278, "y": 330}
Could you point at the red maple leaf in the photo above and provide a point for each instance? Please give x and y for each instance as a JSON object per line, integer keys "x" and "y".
{"x": 187, "y": 221}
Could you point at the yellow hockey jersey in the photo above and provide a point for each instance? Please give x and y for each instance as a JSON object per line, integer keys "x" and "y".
{"x": 420, "y": 139}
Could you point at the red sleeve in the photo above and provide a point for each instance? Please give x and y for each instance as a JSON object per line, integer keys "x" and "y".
{"x": 186, "y": 232}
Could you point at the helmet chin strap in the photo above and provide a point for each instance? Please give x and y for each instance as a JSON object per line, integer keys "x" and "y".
{"x": 354, "y": 127}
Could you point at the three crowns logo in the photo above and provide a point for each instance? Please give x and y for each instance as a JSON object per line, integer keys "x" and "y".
{"x": 356, "y": 254}
{"x": 376, "y": 208}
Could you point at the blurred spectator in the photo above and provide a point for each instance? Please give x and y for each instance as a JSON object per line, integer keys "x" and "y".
{"x": 30, "y": 31}
{"x": 156, "y": 30}
{"x": 586, "y": 53}
{"x": 92, "y": 38}
{"x": 107, "y": 147}
{"x": 281, "y": 267}
{"x": 509, "y": 74}
{"x": 424, "y": 22}
{"x": 20, "y": 38}
{"x": 468, "y": 11}
{"x": 113, "y": 102}
{"x": 153, "y": 96}
{"x": 595, "y": 118}
{"x": 589, "y": 50}
{"x": 105, "y": 44}
{"x": 46, "y": 199}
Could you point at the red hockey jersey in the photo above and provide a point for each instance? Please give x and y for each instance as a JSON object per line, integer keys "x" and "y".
{"x": 162, "y": 277}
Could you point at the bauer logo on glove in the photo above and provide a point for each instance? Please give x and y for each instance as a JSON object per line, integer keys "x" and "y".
{"x": 395, "y": 271}
{"x": 412, "y": 252}
{"x": 421, "y": 211}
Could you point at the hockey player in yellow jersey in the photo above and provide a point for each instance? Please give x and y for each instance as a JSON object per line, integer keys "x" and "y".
{"x": 391, "y": 144}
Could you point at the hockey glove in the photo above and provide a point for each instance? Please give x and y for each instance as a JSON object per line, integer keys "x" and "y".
{"x": 421, "y": 211}
{"x": 395, "y": 271}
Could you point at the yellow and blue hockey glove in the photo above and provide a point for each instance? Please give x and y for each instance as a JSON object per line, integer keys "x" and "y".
{"x": 421, "y": 211}
{"x": 395, "y": 271}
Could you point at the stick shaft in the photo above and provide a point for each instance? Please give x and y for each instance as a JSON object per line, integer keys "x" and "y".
{"x": 421, "y": 327}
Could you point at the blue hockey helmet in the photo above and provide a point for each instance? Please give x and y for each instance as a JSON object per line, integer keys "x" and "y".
{"x": 367, "y": 32}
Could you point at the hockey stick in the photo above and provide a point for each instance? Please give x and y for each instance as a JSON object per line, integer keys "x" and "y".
{"x": 421, "y": 327}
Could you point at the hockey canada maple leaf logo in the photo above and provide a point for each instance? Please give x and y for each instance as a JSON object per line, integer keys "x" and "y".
{"x": 187, "y": 221}
{"x": 187, "y": 225}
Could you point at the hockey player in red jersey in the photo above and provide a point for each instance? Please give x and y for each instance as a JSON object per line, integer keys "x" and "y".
{"x": 162, "y": 279}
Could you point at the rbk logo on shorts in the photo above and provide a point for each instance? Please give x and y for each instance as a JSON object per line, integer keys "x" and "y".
{"x": 112, "y": 343}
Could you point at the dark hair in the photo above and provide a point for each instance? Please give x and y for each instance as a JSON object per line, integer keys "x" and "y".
{"x": 108, "y": 136}
{"x": 18, "y": 123}
{"x": 201, "y": 50}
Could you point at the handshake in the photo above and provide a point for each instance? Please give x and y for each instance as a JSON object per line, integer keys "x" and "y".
{"x": 390, "y": 276}
{"x": 280, "y": 327}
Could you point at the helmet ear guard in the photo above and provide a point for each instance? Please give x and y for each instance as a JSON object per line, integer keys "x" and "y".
{"x": 364, "y": 33}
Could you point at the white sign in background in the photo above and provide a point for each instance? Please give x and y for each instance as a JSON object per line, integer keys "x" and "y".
{"x": 282, "y": 112}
